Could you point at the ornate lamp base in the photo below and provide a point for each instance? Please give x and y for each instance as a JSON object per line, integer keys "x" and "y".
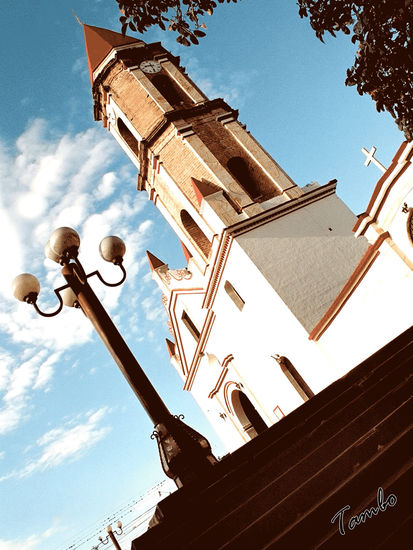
{"x": 185, "y": 454}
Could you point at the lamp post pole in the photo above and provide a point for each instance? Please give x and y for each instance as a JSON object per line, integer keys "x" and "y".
{"x": 116, "y": 345}
{"x": 185, "y": 454}
{"x": 113, "y": 539}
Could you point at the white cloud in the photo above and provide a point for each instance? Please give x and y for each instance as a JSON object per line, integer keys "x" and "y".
{"x": 30, "y": 205}
{"x": 10, "y": 417}
{"x": 35, "y": 372}
{"x": 23, "y": 377}
{"x": 65, "y": 444}
{"x": 45, "y": 371}
{"x": 107, "y": 186}
{"x": 18, "y": 544}
{"x": 46, "y": 182}
{"x": 6, "y": 362}
{"x": 154, "y": 309}
{"x": 33, "y": 541}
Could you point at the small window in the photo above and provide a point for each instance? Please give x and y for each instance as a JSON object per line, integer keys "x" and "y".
{"x": 233, "y": 294}
{"x": 278, "y": 413}
{"x": 128, "y": 137}
{"x": 295, "y": 378}
{"x": 190, "y": 325}
{"x": 410, "y": 225}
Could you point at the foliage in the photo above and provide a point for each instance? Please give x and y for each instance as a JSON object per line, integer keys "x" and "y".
{"x": 382, "y": 29}
{"x": 383, "y": 65}
{"x": 181, "y": 16}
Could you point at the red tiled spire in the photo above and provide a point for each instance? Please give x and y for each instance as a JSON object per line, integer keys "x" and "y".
{"x": 99, "y": 42}
{"x": 154, "y": 262}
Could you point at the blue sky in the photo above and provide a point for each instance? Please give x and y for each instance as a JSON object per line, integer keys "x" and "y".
{"x": 74, "y": 442}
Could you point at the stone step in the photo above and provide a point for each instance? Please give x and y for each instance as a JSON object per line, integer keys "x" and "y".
{"x": 252, "y": 499}
{"x": 335, "y": 395}
{"x": 293, "y": 447}
{"x": 286, "y": 440}
{"x": 198, "y": 516}
{"x": 376, "y": 529}
{"x": 256, "y": 526}
{"x": 397, "y": 539}
{"x": 382, "y": 449}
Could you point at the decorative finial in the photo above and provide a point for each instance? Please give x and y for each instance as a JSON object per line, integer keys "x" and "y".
{"x": 77, "y": 18}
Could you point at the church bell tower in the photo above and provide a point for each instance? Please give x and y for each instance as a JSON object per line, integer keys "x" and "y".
{"x": 265, "y": 258}
{"x": 185, "y": 146}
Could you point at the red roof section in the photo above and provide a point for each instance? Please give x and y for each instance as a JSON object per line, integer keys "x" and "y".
{"x": 187, "y": 254}
{"x": 171, "y": 347}
{"x": 203, "y": 189}
{"x": 154, "y": 262}
{"x": 99, "y": 43}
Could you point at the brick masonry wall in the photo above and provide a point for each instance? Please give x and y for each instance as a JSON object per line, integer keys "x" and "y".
{"x": 224, "y": 147}
{"x": 133, "y": 99}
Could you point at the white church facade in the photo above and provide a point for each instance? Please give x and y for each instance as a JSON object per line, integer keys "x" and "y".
{"x": 284, "y": 290}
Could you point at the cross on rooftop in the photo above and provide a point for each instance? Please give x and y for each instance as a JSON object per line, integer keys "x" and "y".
{"x": 370, "y": 158}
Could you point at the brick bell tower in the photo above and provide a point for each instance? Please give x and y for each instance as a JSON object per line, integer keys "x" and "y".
{"x": 185, "y": 146}
{"x": 265, "y": 257}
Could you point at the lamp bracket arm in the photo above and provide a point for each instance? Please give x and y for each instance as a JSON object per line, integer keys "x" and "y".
{"x": 58, "y": 310}
{"x": 102, "y": 280}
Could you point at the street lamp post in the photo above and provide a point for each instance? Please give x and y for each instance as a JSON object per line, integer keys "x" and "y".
{"x": 185, "y": 454}
{"x": 111, "y": 536}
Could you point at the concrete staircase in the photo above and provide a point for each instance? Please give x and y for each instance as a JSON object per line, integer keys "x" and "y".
{"x": 282, "y": 489}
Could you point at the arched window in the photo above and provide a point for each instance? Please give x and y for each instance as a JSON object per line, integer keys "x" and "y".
{"x": 170, "y": 91}
{"x": 190, "y": 325}
{"x": 294, "y": 377}
{"x": 410, "y": 226}
{"x": 242, "y": 173}
{"x": 247, "y": 414}
{"x": 233, "y": 294}
{"x": 129, "y": 138}
{"x": 196, "y": 233}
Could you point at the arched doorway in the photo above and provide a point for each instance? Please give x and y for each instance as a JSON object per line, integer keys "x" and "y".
{"x": 247, "y": 414}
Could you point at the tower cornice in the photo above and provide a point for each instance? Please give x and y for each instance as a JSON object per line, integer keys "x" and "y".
{"x": 187, "y": 113}
{"x": 201, "y": 109}
{"x": 282, "y": 209}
